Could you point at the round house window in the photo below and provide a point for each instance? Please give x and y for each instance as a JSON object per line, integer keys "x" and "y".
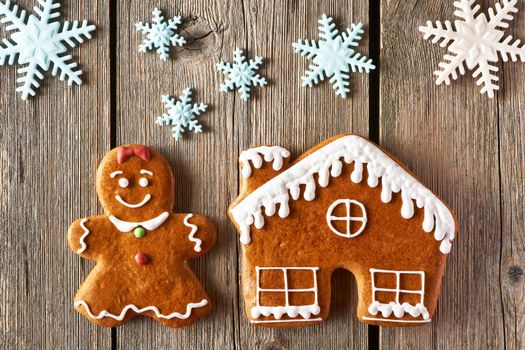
{"x": 346, "y": 217}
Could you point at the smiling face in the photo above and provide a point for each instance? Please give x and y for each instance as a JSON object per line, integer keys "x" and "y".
{"x": 135, "y": 183}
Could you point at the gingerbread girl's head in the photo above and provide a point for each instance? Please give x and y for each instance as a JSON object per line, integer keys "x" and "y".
{"x": 135, "y": 183}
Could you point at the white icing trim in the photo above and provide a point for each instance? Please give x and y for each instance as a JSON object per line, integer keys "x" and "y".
{"x": 144, "y": 171}
{"x": 191, "y": 236}
{"x": 86, "y": 232}
{"x": 115, "y": 173}
{"x": 348, "y": 218}
{"x": 282, "y": 321}
{"x": 292, "y": 311}
{"x": 326, "y": 162}
{"x": 133, "y": 206}
{"x": 305, "y": 311}
{"x": 127, "y": 226}
{"x": 398, "y": 309}
{"x": 395, "y": 321}
{"x": 274, "y": 153}
{"x": 134, "y": 308}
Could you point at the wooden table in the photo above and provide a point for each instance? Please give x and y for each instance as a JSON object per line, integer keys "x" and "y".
{"x": 467, "y": 148}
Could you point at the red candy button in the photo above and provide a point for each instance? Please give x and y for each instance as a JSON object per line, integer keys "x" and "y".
{"x": 141, "y": 259}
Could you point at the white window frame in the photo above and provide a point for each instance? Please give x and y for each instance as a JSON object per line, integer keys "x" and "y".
{"x": 348, "y": 218}
{"x": 398, "y": 289}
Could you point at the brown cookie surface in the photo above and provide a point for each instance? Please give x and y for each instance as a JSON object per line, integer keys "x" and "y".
{"x": 140, "y": 246}
{"x": 344, "y": 204}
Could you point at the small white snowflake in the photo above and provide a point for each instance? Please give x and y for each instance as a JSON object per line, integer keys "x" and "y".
{"x": 181, "y": 114}
{"x": 476, "y": 41}
{"x": 40, "y": 42}
{"x": 160, "y": 35}
{"x": 333, "y": 56}
{"x": 241, "y": 74}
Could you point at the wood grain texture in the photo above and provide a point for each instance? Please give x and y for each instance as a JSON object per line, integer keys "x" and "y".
{"x": 50, "y": 148}
{"x": 468, "y": 149}
{"x": 511, "y": 124}
{"x": 452, "y": 139}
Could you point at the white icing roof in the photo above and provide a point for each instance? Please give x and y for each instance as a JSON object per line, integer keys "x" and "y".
{"x": 327, "y": 162}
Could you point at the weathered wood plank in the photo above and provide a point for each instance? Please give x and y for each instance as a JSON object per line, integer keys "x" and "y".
{"x": 449, "y": 137}
{"x": 511, "y": 106}
{"x": 206, "y": 178}
{"x": 297, "y": 118}
{"x": 51, "y": 146}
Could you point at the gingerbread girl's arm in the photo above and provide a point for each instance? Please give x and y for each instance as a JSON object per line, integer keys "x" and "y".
{"x": 81, "y": 236}
{"x": 198, "y": 232}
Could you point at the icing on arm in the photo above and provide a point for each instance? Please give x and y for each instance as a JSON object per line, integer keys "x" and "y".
{"x": 86, "y": 232}
{"x": 78, "y": 236}
{"x": 191, "y": 236}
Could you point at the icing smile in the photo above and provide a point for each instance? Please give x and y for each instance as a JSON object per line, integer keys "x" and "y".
{"x": 129, "y": 205}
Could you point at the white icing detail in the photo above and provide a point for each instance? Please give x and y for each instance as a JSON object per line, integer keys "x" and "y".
{"x": 123, "y": 182}
{"x": 395, "y": 321}
{"x": 143, "y": 182}
{"x": 282, "y": 321}
{"x": 274, "y": 153}
{"x": 348, "y": 218}
{"x": 191, "y": 236}
{"x": 291, "y": 310}
{"x": 353, "y": 149}
{"x": 144, "y": 171}
{"x": 150, "y": 225}
{"x": 129, "y": 205}
{"x": 86, "y": 232}
{"x": 115, "y": 173}
{"x": 397, "y": 308}
{"x": 134, "y": 308}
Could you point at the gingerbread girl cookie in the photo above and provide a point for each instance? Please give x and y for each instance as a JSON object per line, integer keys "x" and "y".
{"x": 140, "y": 246}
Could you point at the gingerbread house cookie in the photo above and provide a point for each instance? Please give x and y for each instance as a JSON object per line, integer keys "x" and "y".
{"x": 140, "y": 246}
{"x": 345, "y": 204}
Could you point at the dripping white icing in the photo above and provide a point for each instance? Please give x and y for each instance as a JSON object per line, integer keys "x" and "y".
{"x": 134, "y": 308}
{"x": 191, "y": 236}
{"x": 86, "y": 232}
{"x": 275, "y": 154}
{"x": 326, "y": 162}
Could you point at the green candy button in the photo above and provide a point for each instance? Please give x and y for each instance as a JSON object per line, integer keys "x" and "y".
{"x": 139, "y": 232}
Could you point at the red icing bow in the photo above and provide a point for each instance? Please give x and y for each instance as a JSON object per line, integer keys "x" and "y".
{"x": 140, "y": 151}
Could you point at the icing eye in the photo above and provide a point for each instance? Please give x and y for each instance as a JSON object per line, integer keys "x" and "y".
{"x": 123, "y": 182}
{"x": 143, "y": 182}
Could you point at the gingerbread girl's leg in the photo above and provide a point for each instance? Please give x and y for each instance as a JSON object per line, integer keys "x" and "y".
{"x": 101, "y": 300}
{"x": 190, "y": 300}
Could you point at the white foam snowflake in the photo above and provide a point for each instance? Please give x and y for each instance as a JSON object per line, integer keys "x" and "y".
{"x": 333, "y": 56}
{"x": 181, "y": 114}
{"x": 40, "y": 42}
{"x": 160, "y": 34}
{"x": 476, "y": 41}
{"x": 241, "y": 74}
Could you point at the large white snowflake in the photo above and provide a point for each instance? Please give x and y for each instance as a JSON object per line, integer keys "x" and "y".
{"x": 241, "y": 74}
{"x": 476, "y": 41}
{"x": 40, "y": 42}
{"x": 160, "y": 34}
{"x": 181, "y": 114}
{"x": 333, "y": 56}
